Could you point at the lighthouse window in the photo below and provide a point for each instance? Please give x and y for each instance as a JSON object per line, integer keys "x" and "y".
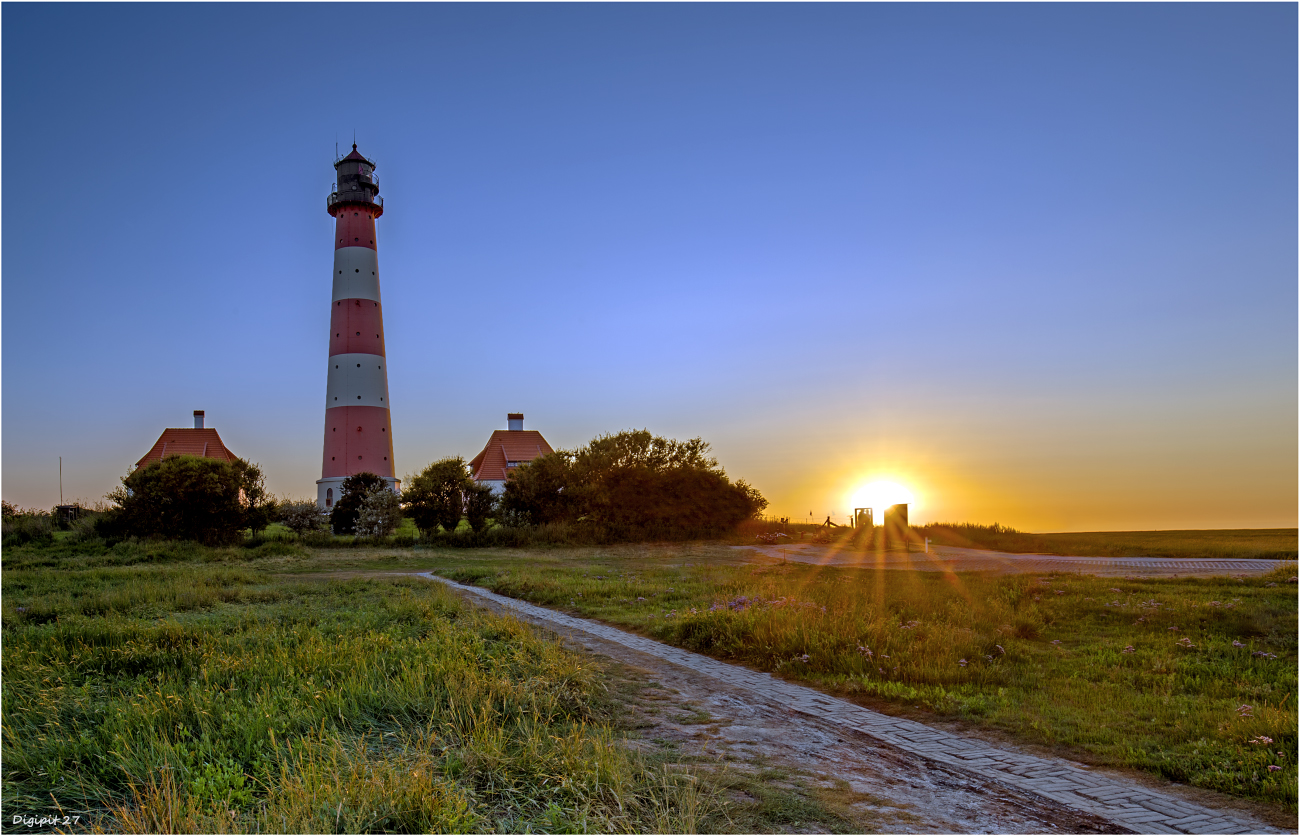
{"x": 358, "y": 364}
{"x": 358, "y": 270}
{"x": 359, "y": 398}
{"x": 329, "y": 497}
{"x": 358, "y": 334}
{"x": 358, "y": 458}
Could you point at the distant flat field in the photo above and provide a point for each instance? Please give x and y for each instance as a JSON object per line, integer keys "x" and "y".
{"x": 1225, "y": 544}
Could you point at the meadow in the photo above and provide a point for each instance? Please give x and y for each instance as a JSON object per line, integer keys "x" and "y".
{"x": 1244, "y": 544}
{"x": 203, "y": 696}
{"x": 168, "y": 686}
{"x": 1191, "y": 679}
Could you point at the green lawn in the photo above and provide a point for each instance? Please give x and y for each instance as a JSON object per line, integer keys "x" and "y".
{"x": 1183, "y": 678}
{"x": 207, "y": 696}
{"x": 1259, "y": 543}
{"x": 117, "y": 663}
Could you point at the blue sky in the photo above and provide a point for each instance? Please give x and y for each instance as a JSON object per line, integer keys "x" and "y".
{"x": 1036, "y": 262}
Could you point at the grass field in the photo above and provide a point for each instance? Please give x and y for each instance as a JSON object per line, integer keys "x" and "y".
{"x": 169, "y": 686}
{"x": 1191, "y": 679}
{"x": 1271, "y": 544}
{"x": 203, "y": 698}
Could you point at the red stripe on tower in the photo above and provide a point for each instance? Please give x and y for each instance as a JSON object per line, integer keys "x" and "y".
{"x": 358, "y": 429}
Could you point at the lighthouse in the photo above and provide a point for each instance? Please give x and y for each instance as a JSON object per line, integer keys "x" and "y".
{"x": 358, "y": 432}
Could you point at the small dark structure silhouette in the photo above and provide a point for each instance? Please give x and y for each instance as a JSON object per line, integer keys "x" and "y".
{"x": 895, "y": 530}
{"x": 896, "y": 527}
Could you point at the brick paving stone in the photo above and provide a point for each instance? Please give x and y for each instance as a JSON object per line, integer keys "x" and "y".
{"x": 1115, "y": 799}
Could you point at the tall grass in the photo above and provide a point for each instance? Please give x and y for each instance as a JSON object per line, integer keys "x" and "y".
{"x": 201, "y": 698}
{"x": 1150, "y": 674}
{"x": 1244, "y": 544}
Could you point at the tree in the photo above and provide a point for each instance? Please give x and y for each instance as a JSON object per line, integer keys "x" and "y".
{"x": 190, "y": 498}
{"x": 258, "y": 504}
{"x": 380, "y": 514}
{"x": 543, "y": 490}
{"x": 300, "y": 515}
{"x": 479, "y": 502}
{"x": 354, "y": 490}
{"x": 436, "y": 496}
{"x": 633, "y": 482}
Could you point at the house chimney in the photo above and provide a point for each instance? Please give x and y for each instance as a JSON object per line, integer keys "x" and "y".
{"x": 198, "y": 419}
{"x": 515, "y": 421}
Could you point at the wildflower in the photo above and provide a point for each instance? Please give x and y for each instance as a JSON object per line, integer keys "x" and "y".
{"x": 1272, "y": 768}
{"x": 961, "y": 662}
{"x": 1236, "y": 643}
{"x": 1270, "y": 584}
{"x": 804, "y": 658}
{"x": 1056, "y": 641}
{"x": 1173, "y": 629}
{"x": 1245, "y": 711}
{"x": 1059, "y": 591}
{"x": 1185, "y": 642}
{"x": 1129, "y": 649}
{"x": 1264, "y": 655}
{"x": 1113, "y": 589}
{"x": 1262, "y": 740}
{"x": 865, "y": 652}
{"x": 640, "y": 599}
{"x": 988, "y": 658}
{"x": 1000, "y": 650}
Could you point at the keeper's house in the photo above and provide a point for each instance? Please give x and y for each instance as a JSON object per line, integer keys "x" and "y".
{"x": 182, "y": 441}
{"x": 505, "y": 450}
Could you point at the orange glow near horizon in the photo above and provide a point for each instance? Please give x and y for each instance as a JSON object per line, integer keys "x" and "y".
{"x": 879, "y": 494}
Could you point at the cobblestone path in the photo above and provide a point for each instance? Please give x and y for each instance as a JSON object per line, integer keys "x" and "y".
{"x": 1125, "y": 803}
{"x": 955, "y": 559}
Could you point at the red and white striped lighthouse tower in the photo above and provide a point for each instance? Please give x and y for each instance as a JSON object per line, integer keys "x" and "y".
{"x": 358, "y": 433}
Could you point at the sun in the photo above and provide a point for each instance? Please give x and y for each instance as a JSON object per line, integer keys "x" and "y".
{"x": 880, "y": 495}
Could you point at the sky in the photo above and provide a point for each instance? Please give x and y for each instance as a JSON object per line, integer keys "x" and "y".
{"x": 1036, "y": 263}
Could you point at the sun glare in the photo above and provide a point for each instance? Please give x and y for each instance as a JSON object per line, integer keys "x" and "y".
{"x": 880, "y": 495}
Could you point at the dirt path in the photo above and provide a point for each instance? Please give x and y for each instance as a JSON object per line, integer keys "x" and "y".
{"x": 934, "y": 779}
{"x": 876, "y": 787}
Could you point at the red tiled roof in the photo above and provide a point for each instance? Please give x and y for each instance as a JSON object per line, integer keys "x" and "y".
{"x": 356, "y": 155}
{"x": 187, "y": 442}
{"x": 507, "y": 446}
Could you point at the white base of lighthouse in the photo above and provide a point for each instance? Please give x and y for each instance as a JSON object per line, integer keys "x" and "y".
{"x": 329, "y": 490}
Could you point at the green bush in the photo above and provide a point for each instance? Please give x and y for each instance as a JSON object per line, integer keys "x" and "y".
{"x": 188, "y": 498}
{"x": 355, "y": 489}
{"x": 633, "y": 485}
{"x": 436, "y": 495}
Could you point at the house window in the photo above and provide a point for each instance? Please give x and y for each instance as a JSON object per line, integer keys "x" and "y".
{"x": 513, "y": 464}
{"x": 329, "y": 497}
